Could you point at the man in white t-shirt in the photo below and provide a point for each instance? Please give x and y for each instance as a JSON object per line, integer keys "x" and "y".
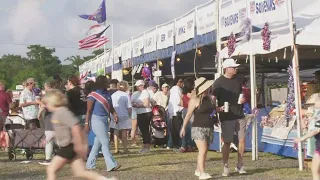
{"x": 152, "y": 90}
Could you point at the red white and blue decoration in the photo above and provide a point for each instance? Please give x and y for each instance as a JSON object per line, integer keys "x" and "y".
{"x": 99, "y": 16}
{"x": 231, "y": 44}
{"x": 290, "y": 99}
{"x": 246, "y": 30}
{"x": 265, "y": 34}
{"x": 146, "y": 74}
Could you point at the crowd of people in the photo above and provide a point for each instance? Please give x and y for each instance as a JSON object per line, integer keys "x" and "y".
{"x": 69, "y": 110}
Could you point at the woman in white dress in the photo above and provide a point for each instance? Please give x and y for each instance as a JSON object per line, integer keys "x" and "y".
{"x": 122, "y": 105}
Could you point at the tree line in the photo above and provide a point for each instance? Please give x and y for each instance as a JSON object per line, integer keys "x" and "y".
{"x": 41, "y": 64}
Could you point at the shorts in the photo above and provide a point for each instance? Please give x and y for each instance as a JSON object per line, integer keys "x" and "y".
{"x": 67, "y": 152}
{"x": 202, "y": 134}
{"x": 228, "y": 128}
{"x": 134, "y": 115}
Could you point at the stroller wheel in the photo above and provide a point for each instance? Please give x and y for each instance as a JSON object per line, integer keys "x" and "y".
{"x": 12, "y": 156}
{"x": 29, "y": 154}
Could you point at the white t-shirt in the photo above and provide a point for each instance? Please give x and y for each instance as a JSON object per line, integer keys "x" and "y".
{"x": 161, "y": 99}
{"x": 139, "y": 97}
{"x": 174, "y": 101}
{"x": 18, "y": 119}
{"x": 121, "y": 102}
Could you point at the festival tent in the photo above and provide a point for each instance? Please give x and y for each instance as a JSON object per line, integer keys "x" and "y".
{"x": 307, "y": 21}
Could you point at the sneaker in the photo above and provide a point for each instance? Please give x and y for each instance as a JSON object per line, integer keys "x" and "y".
{"x": 168, "y": 148}
{"x": 45, "y": 162}
{"x": 183, "y": 150}
{"x": 112, "y": 178}
{"x": 241, "y": 170}
{"x": 144, "y": 151}
{"x": 205, "y": 176}
{"x": 197, "y": 173}
{"x": 225, "y": 172}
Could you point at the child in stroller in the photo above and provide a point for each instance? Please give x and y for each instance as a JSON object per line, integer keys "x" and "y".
{"x": 159, "y": 126}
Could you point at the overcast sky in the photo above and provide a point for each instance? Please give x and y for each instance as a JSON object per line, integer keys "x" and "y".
{"x": 56, "y": 22}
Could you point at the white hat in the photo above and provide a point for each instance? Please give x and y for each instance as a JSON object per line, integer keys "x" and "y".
{"x": 202, "y": 84}
{"x": 165, "y": 85}
{"x": 229, "y": 63}
{"x": 139, "y": 83}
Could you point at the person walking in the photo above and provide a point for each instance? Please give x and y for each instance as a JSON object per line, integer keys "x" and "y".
{"x": 202, "y": 107}
{"x": 70, "y": 138}
{"x": 226, "y": 90}
{"x": 122, "y": 105}
{"x": 175, "y": 114}
{"x": 99, "y": 108}
{"x": 76, "y": 98}
{"x": 141, "y": 102}
{"x": 5, "y": 101}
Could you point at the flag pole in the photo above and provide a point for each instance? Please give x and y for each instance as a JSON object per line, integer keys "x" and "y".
{"x": 105, "y": 45}
{"x": 112, "y": 50}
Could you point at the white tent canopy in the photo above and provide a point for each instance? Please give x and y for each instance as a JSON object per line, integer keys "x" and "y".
{"x": 307, "y": 20}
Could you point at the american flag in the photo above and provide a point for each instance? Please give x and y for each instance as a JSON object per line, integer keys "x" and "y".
{"x": 93, "y": 41}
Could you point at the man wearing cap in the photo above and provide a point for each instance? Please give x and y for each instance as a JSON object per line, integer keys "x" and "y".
{"x": 162, "y": 97}
{"x": 227, "y": 90}
{"x": 152, "y": 89}
{"x": 30, "y": 104}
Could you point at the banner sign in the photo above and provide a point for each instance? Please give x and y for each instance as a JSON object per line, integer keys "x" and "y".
{"x": 206, "y": 17}
{"x": 150, "y": 41}
{"x": 100, "y": 65}
{"x": 106, "y": 58}
{"x": 93, "y": 66}
{"x": 165, "y": 35}
{"x": 173, "y": 59}
{"x": 185, "y": 28}
{"x": 232, "y": 14}
{"x": 137, "y": 46}
{"x": 126, "y": 50}
{"x": 117, "y": 54}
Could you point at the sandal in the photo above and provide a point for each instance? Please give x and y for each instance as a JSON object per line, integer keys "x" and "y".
{"x": 116, "y": 168}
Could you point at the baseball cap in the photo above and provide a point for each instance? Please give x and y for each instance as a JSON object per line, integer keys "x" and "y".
{"x": 139, "y": 83}
{"x": 152, "y": 83}
{"x": 229, "y": 63}
{"x": 165, "y": 85}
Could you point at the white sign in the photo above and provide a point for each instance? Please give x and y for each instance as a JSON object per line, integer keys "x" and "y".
{"x": 157, "y": 73}
{"x": 93, "y": 66}
{"x": 137, "y": 46}
{"x": 262, "y": 11}
{"x": 165, "y": 35}
{"x": 206, "y": 17}
{"x": 150, "y": 41}
{"x": 232, "y": 14}
{"x": 173, "y": 58}
{"x": 126, "y": 50}
{"x": 117, "y": 53}
{"x": 185, "y": 28}
{"x": 107, "y": 59}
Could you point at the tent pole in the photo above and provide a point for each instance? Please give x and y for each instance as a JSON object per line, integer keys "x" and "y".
{"x": 295, "y": 64}
{"x": 295, "y": 69}
{"x": 253, "y": 105}
{"x": 219, "y": 66}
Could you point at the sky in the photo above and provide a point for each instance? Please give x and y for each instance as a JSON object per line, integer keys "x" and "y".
{"x": 56, "y": 22}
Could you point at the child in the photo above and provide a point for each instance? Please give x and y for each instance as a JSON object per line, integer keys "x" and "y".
{"x": 316, "y": 156}
{"x": 14, "y": 119}
{"x": 69, "y": 137}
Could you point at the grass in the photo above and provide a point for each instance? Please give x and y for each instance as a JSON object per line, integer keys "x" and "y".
{"x": 164, "y": 164}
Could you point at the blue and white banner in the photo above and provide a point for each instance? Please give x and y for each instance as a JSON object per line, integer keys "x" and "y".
{"x": 137, "y": 46}
{"x": 206, "y": 18}
{"x": 117, "y": 53}
{"x": 107, "y": 58}
{"x": 165, "y": 35}
{"x": 185, "y": 27}
{"x": 173, "y": 59}
{"x": 126, "y": 50}
{"x": 150, "y": 41}
{"x": 232, "y": 14}
{"x": 93, "y": 66}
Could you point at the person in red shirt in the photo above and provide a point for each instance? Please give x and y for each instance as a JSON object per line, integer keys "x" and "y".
{"x": 5, "y": 100}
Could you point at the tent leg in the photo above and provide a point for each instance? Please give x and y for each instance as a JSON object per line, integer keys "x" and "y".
{"x": 253, "y": 105}
{"x": 295, "y": 68}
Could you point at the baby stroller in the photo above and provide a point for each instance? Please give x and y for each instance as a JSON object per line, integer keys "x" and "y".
{"x": 158, "y": 126}
{"x": 21, "y": 138}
